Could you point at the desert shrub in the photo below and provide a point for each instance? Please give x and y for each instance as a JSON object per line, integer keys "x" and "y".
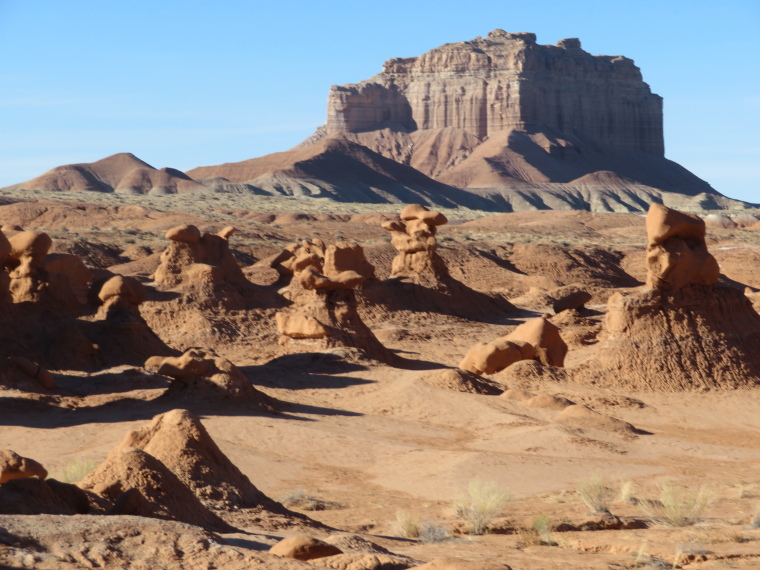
{"x": 300, "y": 500}
{"x": 483, "y": 502}
{"x": 543, "y": 529}
{"x": 406, "y": 525}
{"x": 595, "y": 494}
{"x": 677, "y": 506}
{"x": 432, "y": 532}
{"x": 74, "y": 471}
{"x": 626, "y": 492}
{"x": 755, "y": 521}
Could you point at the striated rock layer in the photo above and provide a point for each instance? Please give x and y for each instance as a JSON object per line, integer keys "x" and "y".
{"x": 506, "y": 81}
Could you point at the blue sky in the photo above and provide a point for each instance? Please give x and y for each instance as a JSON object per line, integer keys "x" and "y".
{"x": 186, "y": 84}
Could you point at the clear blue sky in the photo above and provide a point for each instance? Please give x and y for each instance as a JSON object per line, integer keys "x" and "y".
{"x": 191, "y": 83}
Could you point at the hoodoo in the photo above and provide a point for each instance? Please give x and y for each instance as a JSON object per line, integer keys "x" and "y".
{"x": 684, "y": 331}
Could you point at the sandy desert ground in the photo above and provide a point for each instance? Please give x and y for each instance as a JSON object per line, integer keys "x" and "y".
{"x": 357, "y": 444}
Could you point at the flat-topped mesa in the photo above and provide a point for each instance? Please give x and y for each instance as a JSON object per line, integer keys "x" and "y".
{"x": 414, "y": 238}
{"x": 506, "y": 81}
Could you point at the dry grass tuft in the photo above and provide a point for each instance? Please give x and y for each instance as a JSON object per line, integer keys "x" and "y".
{"x": 595, "y": 494}
{"x": 483, "y": 502}
{"x": 406, "y": 525}
{"x": 74, "y": 471}
{"x": 677, "y": 506}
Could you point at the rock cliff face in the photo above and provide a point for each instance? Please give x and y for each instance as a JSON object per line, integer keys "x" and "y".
{"x": 506, "y": 81}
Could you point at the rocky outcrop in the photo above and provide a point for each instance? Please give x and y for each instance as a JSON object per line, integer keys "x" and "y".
{"x": 506, "y": 81}
{"x": 676, "y": 251}
{"x": 13, "y": 466}
{"x": 200, "y": 374}
{"x": 491, "y": 357}
{"x": 414, "y": 238}
{"x": 684, "y": 331}
{"x": 325, "y": 313}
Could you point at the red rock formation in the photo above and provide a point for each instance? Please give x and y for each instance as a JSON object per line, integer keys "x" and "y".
{"x": 683, "y": 332}
{"x": 506, "y": 81}
{"x": 325, "y": 310}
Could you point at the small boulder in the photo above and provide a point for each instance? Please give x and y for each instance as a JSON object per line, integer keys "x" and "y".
{"x": 13, "y": 466}
{"x": 491, "y": 357}
{"x": 545, "y": 338}
{"x": 302, "y": 547}
{"x": 186, "y": 233}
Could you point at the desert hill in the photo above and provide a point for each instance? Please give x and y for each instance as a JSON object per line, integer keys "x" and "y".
{"x": 123, "y": 173}
{"x": 340, "y": 169}
{"x": 522, "y": 125}
{"x": 499, "y": 123}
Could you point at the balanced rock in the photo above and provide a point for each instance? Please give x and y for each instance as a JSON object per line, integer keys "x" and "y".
{"x": 303, "y": 547}
{"x": 13, "y": 466}
{"x": 685, "y": 331}
{"x": 325, "y": 309}
{"x": 676, "y": 250}
{"x": 572, "y": 299}
{"x": 414, "y": 239}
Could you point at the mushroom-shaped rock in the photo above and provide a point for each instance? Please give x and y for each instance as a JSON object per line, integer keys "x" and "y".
{"x": 545, "y": 338}
{"x": 186, "y": 233}
{"x": 302, "y": 547}
{"x": 676, "y": 252}
{"x": 324, "y": 303}
{"x": 13, "y": 466}
{"x": 419, "y": 212}
{"x": 201, "y": 372}
{"x": 414, "y": 239}
{"x": 491, "y": 357}
{"x": 30, "y": 246}
{"x": 123, "y": 290}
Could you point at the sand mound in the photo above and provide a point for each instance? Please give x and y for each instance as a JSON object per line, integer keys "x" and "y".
{"x": 72, "y": 542}
{"x": 169, "y": 498}
{"x": 531, "y": 374}
{"x": 695, "y": 338}
{"x": 32, "y": 496}
{"x": 179, "y": 440}
{"x": 458, "y": 380}
{"x": 584, "y": 418}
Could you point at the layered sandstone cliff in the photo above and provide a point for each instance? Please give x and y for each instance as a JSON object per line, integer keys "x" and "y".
{"x": 506, "y": 81}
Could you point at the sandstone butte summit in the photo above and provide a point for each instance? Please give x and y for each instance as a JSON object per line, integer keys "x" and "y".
{"x": 499, "y": 123}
